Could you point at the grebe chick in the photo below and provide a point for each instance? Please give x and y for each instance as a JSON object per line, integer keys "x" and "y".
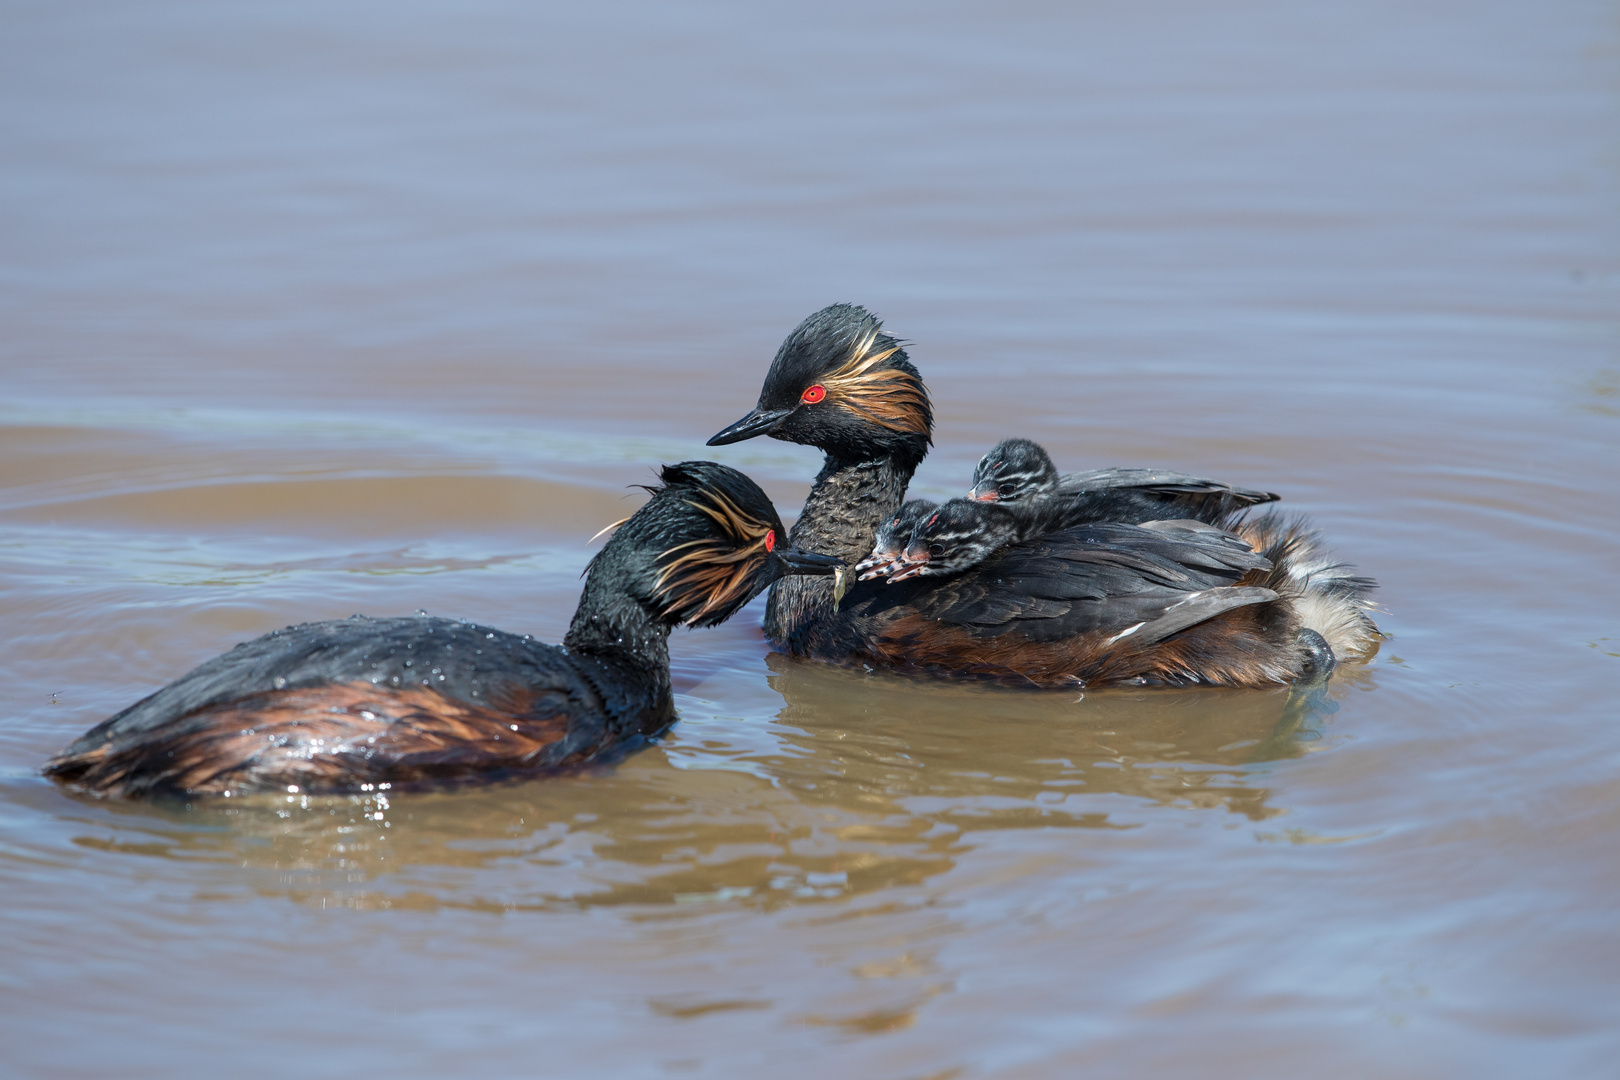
{"x": 409, "y": 702}
{"x": 1055, "y": 610}
{"x": 1019, "y": 473}
{"x": 962, "y": 533}
{"x": 891, "y": 539}
{"x": 1018, "y": 494}
{"x": 958, "y": 535}
{"x": 1015, "y": 470}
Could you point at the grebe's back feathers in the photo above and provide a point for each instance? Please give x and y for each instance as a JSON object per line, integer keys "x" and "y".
{"x": 1163, "y": 482}
{"x": 333, "y": 706}
{"x": 1095, "y": 578}
{"x": 403, "y": 700}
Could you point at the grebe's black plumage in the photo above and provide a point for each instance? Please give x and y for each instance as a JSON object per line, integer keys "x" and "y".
{"x": 334, "y": 706}
{"x": 1039, "y": 611}
{"x": 1151, "y": 580}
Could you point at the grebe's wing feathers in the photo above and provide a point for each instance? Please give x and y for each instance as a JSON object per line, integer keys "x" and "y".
{"x": 1164, "y": 482}
{"x": 463, "y": 661}
{"x": 1102, "y": 578}
{"x": 425, "y": 696}
{"x": 1201, "y": 534}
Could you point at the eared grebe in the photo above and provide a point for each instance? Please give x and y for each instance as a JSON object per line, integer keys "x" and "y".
{"x": 402, "y": 702}
{"x": 1040, "y": 610}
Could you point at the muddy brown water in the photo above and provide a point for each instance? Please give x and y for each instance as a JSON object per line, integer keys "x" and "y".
{"x": 312, "y": 309}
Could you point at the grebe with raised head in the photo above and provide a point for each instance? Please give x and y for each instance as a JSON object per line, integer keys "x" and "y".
{"x": 1038, "y": 611}
{"x": 361, "y": 703}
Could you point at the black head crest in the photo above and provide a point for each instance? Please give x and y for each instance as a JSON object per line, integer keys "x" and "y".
{"x": 839, "y": 382}
{"x": 720, "y": 557}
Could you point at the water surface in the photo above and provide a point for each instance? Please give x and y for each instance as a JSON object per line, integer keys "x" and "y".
{"x": 327, "y": 308}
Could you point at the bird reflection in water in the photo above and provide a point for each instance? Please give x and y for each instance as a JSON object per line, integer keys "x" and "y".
{"x": 868, "y": 783}
{"x": 992, "y": 758}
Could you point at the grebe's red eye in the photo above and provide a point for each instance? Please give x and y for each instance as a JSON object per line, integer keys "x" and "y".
{"x": 813, "y": 394}
{"x": 770, "y": 540}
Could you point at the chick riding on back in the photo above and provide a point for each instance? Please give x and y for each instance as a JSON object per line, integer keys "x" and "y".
{"x": 891, "y": 538}
{"x": 1019, "y": 474}
{"x": 1074, "y": 607}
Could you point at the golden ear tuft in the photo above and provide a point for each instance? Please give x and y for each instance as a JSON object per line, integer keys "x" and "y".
{"x": 889, "y": 397}
{"x": 706, "y": 576}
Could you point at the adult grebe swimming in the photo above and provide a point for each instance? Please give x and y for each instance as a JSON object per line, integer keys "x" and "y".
{"x": 402, "y": 702}
{"x": 1051, "y": 610}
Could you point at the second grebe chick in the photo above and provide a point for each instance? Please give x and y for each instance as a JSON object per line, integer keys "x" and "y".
{"x": 360, "y": 704}
{"x": 1015, "y": 470}
{"x": 891, "y": 539}
{"x": 960, "y": 534}
{"x": 1019, "y": 472}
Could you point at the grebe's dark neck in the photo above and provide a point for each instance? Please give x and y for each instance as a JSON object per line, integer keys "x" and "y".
{"x": 849, "y": 501}
{"x": 626, "y": 649}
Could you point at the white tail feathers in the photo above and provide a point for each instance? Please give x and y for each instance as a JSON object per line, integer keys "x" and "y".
{"x": 1325, "y": 594}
